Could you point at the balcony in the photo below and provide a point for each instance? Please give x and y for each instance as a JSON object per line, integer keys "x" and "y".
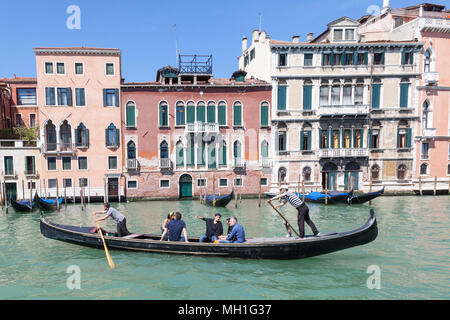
{"x": 9, "y": 174}
{"x": 343, "y": 153}
{"x": 266, "y": 162}
{"x": 343, "y": 110}
{"x": 30, "y": 173}
{"x": 58, "y": 148}
{"x": 239, "y": 163}
{"x": 133, "y": 164}
{"x": 165, "y": 164}
{"x": 200, "y": 127}
{"x": 430, "y": 78}
{"x": 428, "y": 132}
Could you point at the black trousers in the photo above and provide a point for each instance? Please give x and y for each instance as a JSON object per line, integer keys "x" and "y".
{"x": 122, "y": 230}
{"x": 303, "y": 216}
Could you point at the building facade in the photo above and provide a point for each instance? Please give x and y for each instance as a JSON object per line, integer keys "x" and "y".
{"x": 188, "y": 134}
{"x": 344, "y": 109}
{"x": 78, "y": 92}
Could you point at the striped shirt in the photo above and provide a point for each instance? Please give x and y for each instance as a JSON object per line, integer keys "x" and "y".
{"x": 293, "y": 199}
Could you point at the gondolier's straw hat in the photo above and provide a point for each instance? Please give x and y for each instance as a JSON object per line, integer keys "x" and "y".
{"x": 284, "y": 187}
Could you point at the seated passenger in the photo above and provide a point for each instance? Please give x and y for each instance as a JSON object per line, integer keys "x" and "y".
{"x": 237, "y": 234}
{"x": 170, "y": 217}
{"x": 214, "y": 228}
{"x": 174, "y": 229}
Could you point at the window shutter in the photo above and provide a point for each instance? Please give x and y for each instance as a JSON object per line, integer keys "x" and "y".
{"x": 328, "y": 139}
{"x": 222, "y": 115}
{"x": 355, "y": 58}
{"x": 130, "y": 115}
{"x": 211, "y": 117}
{"x": 86, "y": 141}
{"x": 201, "y": 114}
{"x": 309, "y": 141}
{"x": 354, "y": 138}
{"x": 370, "y": 138}
{"x": 69, "y": 96}
{"x": 77, "y": 141}
{"x": 117, "y": 137}
{"x": 237, "y": 115}
{"x": 366, "y": 58}
{"x": 404, "y": 88}
{"x": 301, "y": 140}
{"x": 398, "y": 137}
{"x": 307, "y": 97}
{"x": 376, "y": 89}
{"x": 382, "y": 58}
{"x": 343, "y": 58}
{"x": 282, "y": 97}
{"x": 59, "y": 96}
{"x": 403, "y": 58}
{"x": 362, "y": 138}
{"x": 180, "y": 156}
{"x": 116, "y": 93}
{"x": 190, "y": 114}
{"x": 107, "y": 137}
{"x": 105, "y": 100}
{"x": 408, "y": 138}
{"x": 332, "y": 58}
{"x": 411, "y": 57}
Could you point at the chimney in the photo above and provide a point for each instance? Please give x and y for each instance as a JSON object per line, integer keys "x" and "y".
{"x": 296, "y": 39}
{"x": 310, "y": 37}
{"x": 262, "y": 36}
{"x": 386, "y": 6}
{"x": 255, "y": 36}
{"x": 244, "y": 44}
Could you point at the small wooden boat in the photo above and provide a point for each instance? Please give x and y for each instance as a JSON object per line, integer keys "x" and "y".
{"x": 48, "y": 205}
{"x": 333, "y": 197}
{"x": 23, "y": 205}
{"x": 256, "y": 248}
{"x": 365, "y": 197}
{"x": 219, "y": 201}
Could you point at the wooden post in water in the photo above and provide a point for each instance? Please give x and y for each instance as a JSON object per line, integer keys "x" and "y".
{"x": 435, "y": 185}
{"x": 1, "y": 194}
{"x": 31, "y": 195}
{"x": 5, "y": 196}
{"x": 370, "y": 186}
{"x": 65, "y": 196}
{"x": 420, "y": 186}
{"x": 214, "y": 189}
{"x": 326, "y": 188}
{"x": 303, "y": 187}
{"x": 23, "y": 190}
{"x": 57, "y": 196}
{"x": 259, "y": 193}
{"x": 236, "y": 193}
{"x": 240, "y": 189}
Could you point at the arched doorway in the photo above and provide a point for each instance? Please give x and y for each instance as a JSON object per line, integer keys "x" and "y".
{"x": 351, "y": 176}
{"x": 329, "y": 169}
{"x": 185, "y": 186}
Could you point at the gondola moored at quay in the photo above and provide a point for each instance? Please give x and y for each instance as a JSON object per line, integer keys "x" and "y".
{"x": 48, "y": 205}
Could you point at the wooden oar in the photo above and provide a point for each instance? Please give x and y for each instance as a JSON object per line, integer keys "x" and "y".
{"x": 287, "y": 222}
{"x": 110, "y": 260}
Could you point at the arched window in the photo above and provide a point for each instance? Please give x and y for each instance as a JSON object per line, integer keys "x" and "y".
{"x": 359, "y": 91}
{"x": 307, "y": 173}
{"x": 82, "y": 136}
{"x": 423, "y": 169}
{"x": 180, "y": 154}
{"x": 131, "y": 150}
{"x": 112, "y": 136}
{"x": 401, "y": 172}
{"x": 211, "y": 113}
{"x": 164, "y": 150}
{"x": 201, "y": 112}
{"x": 347, "y": 92}
{"x": 190, "y": 113}
{"x": 223, "y": 154}
{"x": 65, "y": 132}
{"x": 237, "y": 114}
{"x": 222, "y": 113}
{"x": 131, "y": 114}
{"x": 427, "y": 60}
{"x": 163, "y": 114}
{"x": 336, "y": 93}
{"x": 50, "y": 136}
{"x": 324, "y": 91}
{"x": 180, "y": 114}
{"x": 282, "y": 174}
{"x": 237, "y": 152}
{"x": 375, "y": 171}
{"x": 264, "y": 149}
{"x": 264, "y": 114}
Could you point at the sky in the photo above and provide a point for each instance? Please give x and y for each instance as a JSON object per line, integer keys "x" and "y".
{"x": 146, "y": 30}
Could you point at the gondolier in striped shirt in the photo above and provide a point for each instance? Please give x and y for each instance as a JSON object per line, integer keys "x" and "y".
{"x": 302, "y": 209}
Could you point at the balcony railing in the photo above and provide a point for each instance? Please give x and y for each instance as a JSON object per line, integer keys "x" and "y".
{"x": 430, "y": 78}
{"x": 165, "y": 163}
{"x": 266, "y": 162}
{"x": 428, "y": 132}
{"x": 239, "y": 163}
{"x": 342, "y": 110}
{"x": 343, "y": 153}
{"x": 58, "y": 148}
{"x": 200, "y": 127}
{"x": 132, "y": 164}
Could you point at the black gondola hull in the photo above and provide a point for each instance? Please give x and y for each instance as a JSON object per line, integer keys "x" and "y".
{"x": 221, "y": 201}
{"x": 276, "y": 248}
{"x": 366, "y": 197}
{"x": 44, "y": 205}
{"x": 19, "y": 207}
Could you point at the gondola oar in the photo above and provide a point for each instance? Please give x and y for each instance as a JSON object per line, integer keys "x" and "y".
{"x": 287, "y": 222}
{"x": 110, "y": 260}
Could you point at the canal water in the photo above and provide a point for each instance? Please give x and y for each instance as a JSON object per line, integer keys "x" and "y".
{"x": 412, "y": 253}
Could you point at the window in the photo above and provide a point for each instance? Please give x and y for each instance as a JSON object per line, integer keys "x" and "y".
{"x": 376, "y": 94}
{"x": 324, "y": 90}
{"x": 324, "y": 141}
{"x": 9, "y": 165}
{"x": 51, "y": 163}
{"x": 358, "y": 138}
{"x": 407, "y": 58}
{"x": 222, "y": 113}
{"x": 349, "y": 34}
{"x": 336, "y": 93}
{"x": 282, "y": 172}
{"x": 212, "y": 156}
{"x": 338, "y": 34}
{"x": 280, "y": 141}
{"x": 398, "y": 21}
{"x": 264, "y": 114}
{"x": 307, "y": 174}
{"x": 163, "y": 114}
{"x": 26, "y": 96}
{"x": 82, "y": 136}
{"x": 60, "y": 69}
{"x": 179, "y": 154}
{"x": 110, "y": 97}
{"x": 223, "y": 182}
{"x": 67, "y": 183}
{"x": 282, "y": 95}
{"x": 359, "y": 92}
{"x": 18, "y": 120}
{"x": 425, "y": 148}
{"x": 307, "y": 95}
{"x": 305, "y": 140}
{"x": 164, "y": 183}
{"x": 308, "y": 59}
{"x": 33, "y": 120}
{"x": 110, "y": 69}
{"x": 112, "y": 162}
{"x": 112, "y": 136}
{"x": 201, "y": 112}
{"x": 52, "y": 183}
{"x": 404, "y": 138}
{"x": 427, "y": 61}
{"x": 131, "y": 115}
{"x": 337, "y": 59}
{"x": 211, "y": 113}
{"x": 375, "y": 171}
{"x": 64, "y": 96}
{"x": 80, "y": 97}
{"x": 327, "y": 59}
{"x": 201, "y": 183}
{"x": 49, "y": 68}
{"x": 180, "y": 114}
{"x": 82, "y": 163}
{"x": 374, "y": 138}
{"x": 131, "y": 150}
{"x": 349, "y": 59}
{"x": 378, "y": 58}
{"x": 237, "y": 150}
{"x": 223, "y": 154}
{"x": 190, "y": 114}
{"x": 252, "y": 54}
{"x": 83, "y": 182}
{"x": 237, "y": 114}
{"x": 263, "y": 182}
{"x": 238, "y": 182}
{"x": 31, "y": 185}
{"x": 362, "y": 59}
{"x": 347, "y": 95}
{"x": 132, "y": 184}
{"x": 346, "y": 138}
{"x": 423, "y": 169}
{"x": 50, "y": 96}
{"x": 30, "y": 165}
{"x": 335, "y": 139}
{"x": 282, "y": 60}
{"x": 66, "y": 163}
{"x": 401, "y": 172}
{"x": 79, "y": 68}
{"x": 164, "y": 150}
{"x": 404, "y": 92}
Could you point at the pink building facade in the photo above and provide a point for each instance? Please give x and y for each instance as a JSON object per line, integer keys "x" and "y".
{"x": 78, "y": 92}
{"x": 191, "y": 134}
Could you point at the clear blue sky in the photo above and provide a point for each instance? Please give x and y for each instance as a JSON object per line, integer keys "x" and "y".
{"x": 143, "y": 29}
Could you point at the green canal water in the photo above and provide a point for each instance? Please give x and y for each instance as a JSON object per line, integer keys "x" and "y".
{"x": 412, "y": 252}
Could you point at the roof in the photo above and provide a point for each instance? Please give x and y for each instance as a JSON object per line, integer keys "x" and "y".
{"x": 85, "y": 50}
{"x": 213, "y": 82}
{"x": 290, "y": 43}
{"x": 426, "y": 4}
{"x": 19, "y": 80}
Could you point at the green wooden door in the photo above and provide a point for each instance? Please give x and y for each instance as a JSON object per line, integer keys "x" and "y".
{"x": 185, "y": 186}
{"x": 11, "y": 191}
{"x": 351, "y": 180}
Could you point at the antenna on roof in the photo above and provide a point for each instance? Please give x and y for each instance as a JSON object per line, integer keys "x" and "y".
{"x": 177, "y": 52}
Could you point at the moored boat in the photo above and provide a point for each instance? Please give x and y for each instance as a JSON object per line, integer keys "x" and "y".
{"x": 366, "y": 197}
{"x": 219, "y": 201}
{"x": 48, "y": 205}
{"x": 254, "y": 248}
{"x": 23, "y": 205}
{"x": 332, "y": 197}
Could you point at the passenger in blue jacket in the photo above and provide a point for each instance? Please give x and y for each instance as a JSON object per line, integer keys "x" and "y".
{"x": 237, "y": 234}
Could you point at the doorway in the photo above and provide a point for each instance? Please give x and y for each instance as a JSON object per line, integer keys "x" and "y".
{"x": 185, "y": 186}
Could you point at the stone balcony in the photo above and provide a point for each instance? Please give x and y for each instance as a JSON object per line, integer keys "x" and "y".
{"x": 344, "y": 153}
{"x": 58, "y": 148}
{"x": 428, "y": 132}
{"x": 132, "y": 164}
{"x": 201, "y": 127}
{"x": 165, "y": 163}
{"x": 266, "y": 162}
{"x": 430, "y": 78}
{"x": 343, "y": 110}
{"x": 239, "y": 163}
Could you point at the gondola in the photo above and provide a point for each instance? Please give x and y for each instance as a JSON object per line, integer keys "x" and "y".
{"x": 23, "y": 205}
{"x": 48, "y": 205}
{"x": 256, "y": 248}
{"x": 333, "y": 197}
{"x": 362, "y": 198}
{"x": 219, "y": 201}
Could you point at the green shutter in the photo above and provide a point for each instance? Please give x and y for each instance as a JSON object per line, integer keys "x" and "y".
{"x": 282, "y": 97}
{"x": 211, "y": 116}
{"x": 190, "y": 114}
{"x": 398, "y": 138}
{"x": 307, "y": 97}
{"x": 382, "y": 58}
{"x": 301, "y": 140}
{"x": 265, "y": 150}
{"x": 180, "y": 155}
{"x": 403, "y": 58}
{"x": 117, "y": 137}
{"x": 223, "y": 155}
{"x": 370, "y": 138}
{"x": 408, "y": 138}
{"x": 130, "y": 116}
{"x": 355, "y": 58}
{"x": 201, "y": 113}
{"x": 343, "y": 58}
{"x": 86, "y": 136}
{"x": 264, "y": 115}
{"x": 309, "y": 140}
{"x": 222, "y": 114}
{"x": 362, "y": 138}
{"x": 366, "y": 58}
{"x": 212, "y": 157}
{"x": 237, "y": 115}
{"x": 404, "y": 88}
{"x": 77, "y": 142}
{"x": 411, "y": 57}
{"x": 107, "y": 138}
{"x": 332, "y": 59}
{"x": 376, "y": 89}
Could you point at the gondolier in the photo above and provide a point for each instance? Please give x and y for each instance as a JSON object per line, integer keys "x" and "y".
{"x": 302, "y": 209}
{"x": 119, "y": 218}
